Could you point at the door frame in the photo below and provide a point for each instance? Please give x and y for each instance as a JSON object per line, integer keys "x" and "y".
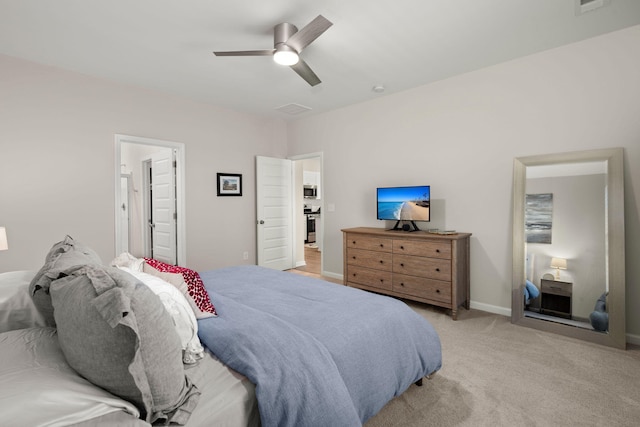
{"x": 319, "y": 236}
{"x": 181, "y": 232}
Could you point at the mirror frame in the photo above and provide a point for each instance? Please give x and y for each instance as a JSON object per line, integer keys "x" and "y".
{"x": 616, "y": 336}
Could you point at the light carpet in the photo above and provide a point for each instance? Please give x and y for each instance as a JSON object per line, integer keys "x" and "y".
{"x": 495, "y": 373}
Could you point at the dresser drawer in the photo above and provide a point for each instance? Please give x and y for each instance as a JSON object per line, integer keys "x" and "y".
{"x": 432, "y": 268}
{"x": 422, "y": 248}
{"x": 369, "y": 259}
{"x": 422, "y": 287}
{"x": 369, "y": 242}
{"x": 370, "y": 278}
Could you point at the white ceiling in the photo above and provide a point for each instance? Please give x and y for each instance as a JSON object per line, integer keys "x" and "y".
{"x": 167, "y": 45}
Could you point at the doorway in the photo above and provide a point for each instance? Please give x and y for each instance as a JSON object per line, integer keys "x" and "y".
{"x": 153, "y": 197}
{"x": 308, "y": 191}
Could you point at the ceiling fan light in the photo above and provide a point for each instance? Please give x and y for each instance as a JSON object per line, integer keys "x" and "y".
{"x": 286, "y": 56}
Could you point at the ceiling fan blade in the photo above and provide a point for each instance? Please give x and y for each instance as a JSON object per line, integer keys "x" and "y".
{"x": 246, "y": 52}
{"x": 309, "y": 33}
{"x": 306, "y": 72}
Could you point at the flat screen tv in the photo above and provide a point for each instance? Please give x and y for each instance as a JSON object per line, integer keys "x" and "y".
{"x": 408, "y": 204}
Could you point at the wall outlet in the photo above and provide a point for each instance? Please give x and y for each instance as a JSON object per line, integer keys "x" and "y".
{"x": 245, "y": 255}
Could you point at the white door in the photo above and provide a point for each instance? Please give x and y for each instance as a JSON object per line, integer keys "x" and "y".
{"x": 163, "y": 206}
{"x": 124, "y": 218}
{"x": 274, "y": 205}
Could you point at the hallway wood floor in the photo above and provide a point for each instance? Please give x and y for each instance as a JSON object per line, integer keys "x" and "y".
{"x": 313, "y": 265}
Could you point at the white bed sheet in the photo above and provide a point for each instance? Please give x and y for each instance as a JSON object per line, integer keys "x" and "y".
{"x": 227, "y": 400}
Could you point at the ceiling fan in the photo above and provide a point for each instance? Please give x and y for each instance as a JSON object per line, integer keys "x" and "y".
{"x": 288, "y": 42}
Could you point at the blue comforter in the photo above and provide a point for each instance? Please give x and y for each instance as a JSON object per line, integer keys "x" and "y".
{"x": 319, "y": 353}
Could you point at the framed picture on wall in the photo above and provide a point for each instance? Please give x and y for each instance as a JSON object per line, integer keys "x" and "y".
{"x": 229, "y": 184}
{"x": 538, "y": 217}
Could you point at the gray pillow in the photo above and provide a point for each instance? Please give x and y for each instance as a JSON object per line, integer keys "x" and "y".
{"x": 115, "y": 332}
{"x": 62, "y": 255}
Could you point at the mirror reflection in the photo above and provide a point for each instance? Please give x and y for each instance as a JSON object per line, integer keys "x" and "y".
{"x": 568, "y": 245}
{"x": 565, "y": 241}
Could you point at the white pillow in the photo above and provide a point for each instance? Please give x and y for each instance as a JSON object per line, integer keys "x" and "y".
{"x": 125, "y": 259}
{"x": 38, "y": 387}
{"x": 17, "y": 310}
{"x": 177, "y": 306}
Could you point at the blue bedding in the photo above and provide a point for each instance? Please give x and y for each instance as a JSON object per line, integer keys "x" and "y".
{"x": 319, "y": 353}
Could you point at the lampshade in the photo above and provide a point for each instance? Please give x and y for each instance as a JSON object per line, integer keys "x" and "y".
{"x": 558, "y": 264}
{"x": 3, "y": 239}
{"x": 285, "y": 55}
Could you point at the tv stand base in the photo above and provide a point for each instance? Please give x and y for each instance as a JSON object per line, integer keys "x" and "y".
{"x": 405, "y": 227}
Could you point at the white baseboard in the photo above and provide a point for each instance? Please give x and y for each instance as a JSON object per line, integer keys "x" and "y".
{"x": 633, "y": 339}
{"x": 491, "y": 308}
{"x": 333, "y": 275}
{"x": 300, "y": 264}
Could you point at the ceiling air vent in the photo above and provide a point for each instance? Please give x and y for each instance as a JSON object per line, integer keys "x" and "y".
{"x": 583, "y": 6}
{"x": 293, "y": 109}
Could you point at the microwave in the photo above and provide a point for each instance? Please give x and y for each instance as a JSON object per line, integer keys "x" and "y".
{"x": 310, "y": 191}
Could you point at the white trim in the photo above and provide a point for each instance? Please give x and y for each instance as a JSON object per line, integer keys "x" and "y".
{"x": 633, "y": 339}
{"x": 333, "y": 275}
{"x": 179, "y": 147}
{"x": 490, "y": 308}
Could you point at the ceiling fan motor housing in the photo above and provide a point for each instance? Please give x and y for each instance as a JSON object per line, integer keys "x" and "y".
{"x": 282, "y": 32}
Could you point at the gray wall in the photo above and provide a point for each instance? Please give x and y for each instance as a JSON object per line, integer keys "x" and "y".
{"x": 460, "y": 135}
{"x": 57, "y": 148}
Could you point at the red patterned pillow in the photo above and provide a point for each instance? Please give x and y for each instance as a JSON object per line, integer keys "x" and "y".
{"x": 196, "y": 289}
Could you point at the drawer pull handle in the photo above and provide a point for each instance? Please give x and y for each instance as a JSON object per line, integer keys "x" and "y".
{"x": 402, "y": 247}
{"x": 437, "y": 250}
{"x": 382, "y": 245}
{"x": 401, "y": 284}
{"x": 354, "y": 242}
{"x": 381, "y": 262}
{"x": 401, "y": 265}
{"x": 437, "y": 291}
{"x": 381, "y": 280}
{"x": 354, "y": 257}
{"x": 437, "y": 269}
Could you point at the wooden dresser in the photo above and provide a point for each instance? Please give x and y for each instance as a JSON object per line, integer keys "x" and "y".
{"x": 416, "y": 265}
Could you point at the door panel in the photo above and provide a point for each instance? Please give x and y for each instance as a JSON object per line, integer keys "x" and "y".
{"x": 163, "y": 202}
{"x": 274, "y": 212}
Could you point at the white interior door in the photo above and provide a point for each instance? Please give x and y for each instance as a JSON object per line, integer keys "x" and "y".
{"x": 163, "y": 206}
{"x": 124, "y": 211}
{"x": 274, "y": 205}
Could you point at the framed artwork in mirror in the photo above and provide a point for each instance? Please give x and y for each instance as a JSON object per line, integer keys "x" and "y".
{"x": 538, "y": 217}
{"x": 229, "y": 184}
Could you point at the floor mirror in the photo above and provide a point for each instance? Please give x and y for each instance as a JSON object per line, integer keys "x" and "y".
{"x": 568, "y": 245}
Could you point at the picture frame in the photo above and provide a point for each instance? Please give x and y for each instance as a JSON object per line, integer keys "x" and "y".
{"x": 538, "y": 216}
{"x": 229, "y": 184}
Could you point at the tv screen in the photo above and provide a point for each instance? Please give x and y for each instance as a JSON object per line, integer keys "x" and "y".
{"x": 404, "y": 203}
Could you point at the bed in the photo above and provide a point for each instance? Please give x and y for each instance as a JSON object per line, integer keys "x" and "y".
{"x": 279, "y": 349}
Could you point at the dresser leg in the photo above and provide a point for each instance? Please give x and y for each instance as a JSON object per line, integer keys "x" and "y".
{"x": 454, "y": 313}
